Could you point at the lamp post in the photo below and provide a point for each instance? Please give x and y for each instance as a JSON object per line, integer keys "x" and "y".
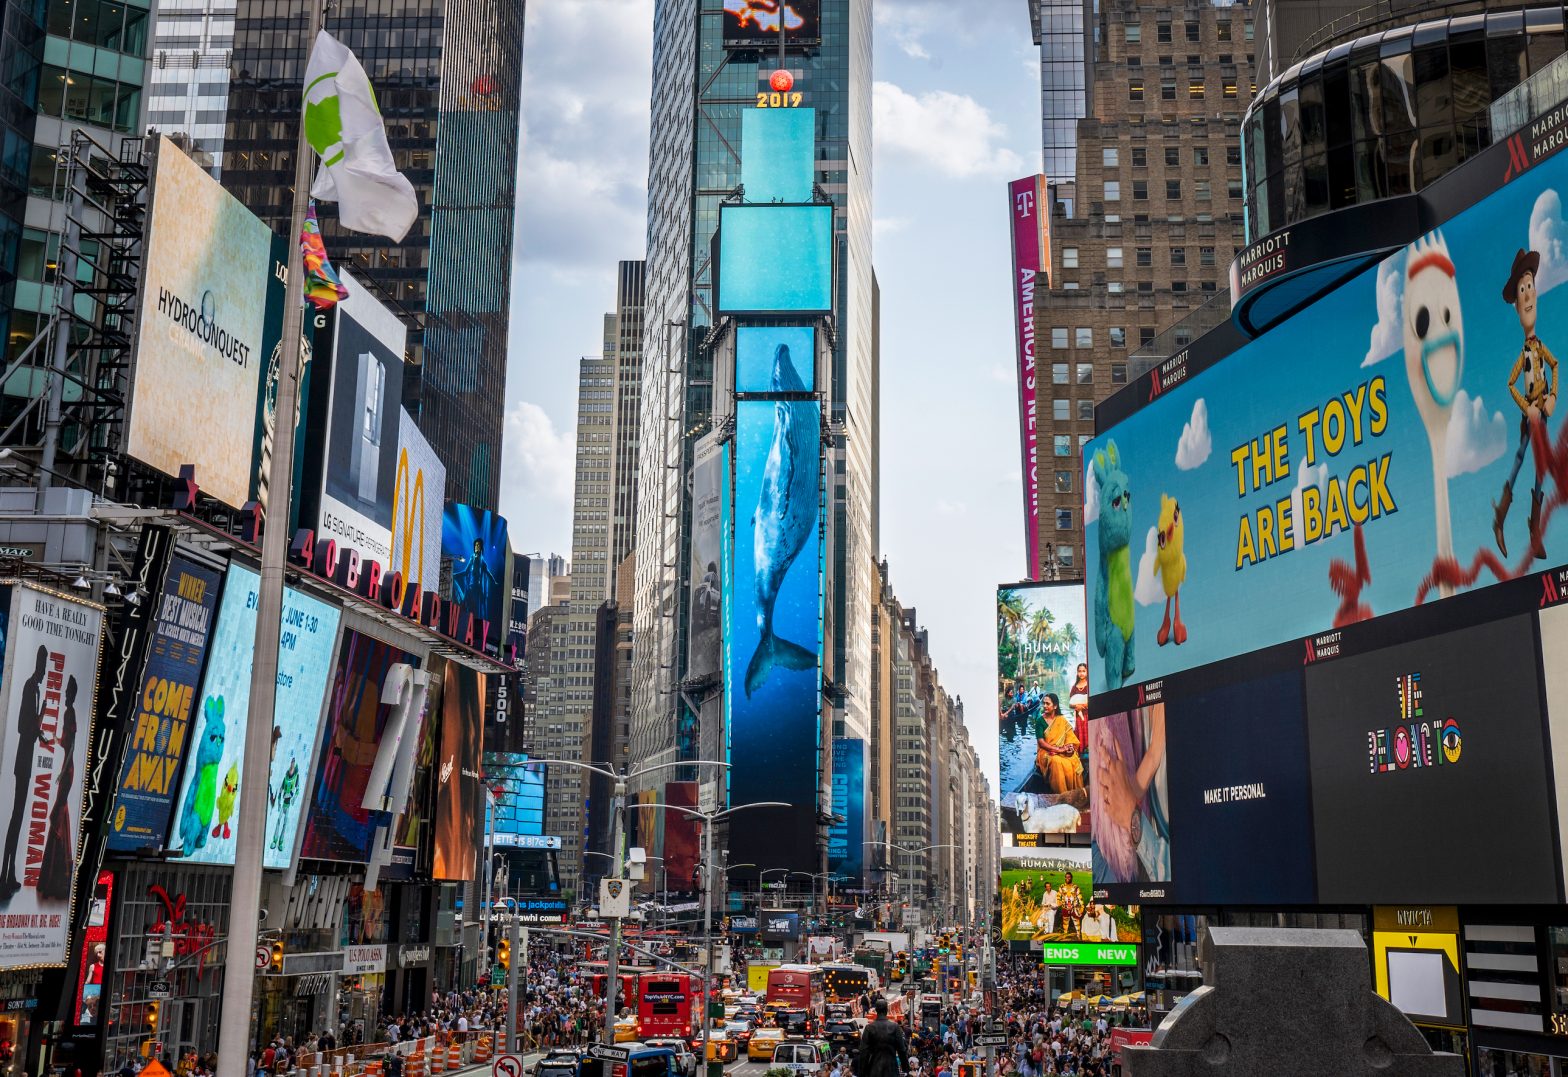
{"x": 911, "y": 849}
{"x": 617, "y": 854}
{"x": 519, "y": 950}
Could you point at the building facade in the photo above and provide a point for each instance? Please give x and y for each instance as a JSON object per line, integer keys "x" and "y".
{"x": 188, "y": 80}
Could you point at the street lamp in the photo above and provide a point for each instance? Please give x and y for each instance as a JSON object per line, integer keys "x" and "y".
{"x": 911, "y": 849}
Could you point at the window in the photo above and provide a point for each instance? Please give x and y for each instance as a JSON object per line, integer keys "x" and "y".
{"x": 1135, "y": 90}
{"x": 1195, "y": 89}
{"x": 1200, "y": 156}
{"x": 1233, "y": 188}
{"x": 1140, "y": 156}
{"x": 1108, "y": 157}
{"x": 1145, "y": 287}
{"x": 1145, "y": 337}
{"x": 1118, "y": 336}
{"x": 1233, "y": 156}
{"x": 1118, "y": 373}
{"x": 1173, "y": 189}
{"x": 1064, "y": 519}
{"x": 1084, "y": 337}
{"x": 1069, "y": 257}
{"x": 1140, "y": 190}
{"x": 1145, "y": 256}
{"x": 1113, "y": 191}
{"x": 1058, "y": 373}
{"x": 1084, "y": 439}
{"x": 1064, "y": 482}
{"x": 1070, "y": 286}
{"x": 1192, "y": 31}
{"x": 1061, "y": 410}
{"x": 1183, "y": 335}
{"x": 1058, "y": 336}
{"x": 1113, "y": 257}
{"x": 1172, "y": 156}
{"x": 1178, "y": 286}
{"x": 1228, "y": 89}
{"x": 1086, "y": 411}
{"x": 1062, "y": 444}
{"x": 1114, "y": 287}
{"x": 1162, "y": 33}
{"x": 1222, "y": 30}
{"x": 1167, "y": 89}
{"x": 1201, "y": 190}
{"x": 1134, "y": 34}
{"x": 1178, "y": 256}
{"x": 1135, "y": 61}
{"x": 1085, "y": 373}
{"x": 1066, "y": 554}
{"x": 1205, "y": 256}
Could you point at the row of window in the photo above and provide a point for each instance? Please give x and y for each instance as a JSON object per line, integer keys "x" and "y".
{"x": 1061, "y": 373}
{"x": 71, "y": 95}
{"x": 100, "y": 23}
{"x": 1196, "y": 89}
{"x": 1164, "y": 32}
{"x": 1143, "y": 256}
{"x": 1202, "y": 190}
{"x": 1110, "y": 156}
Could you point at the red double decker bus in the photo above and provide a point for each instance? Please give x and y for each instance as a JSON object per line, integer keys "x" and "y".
{"x": 667, "y": 1005}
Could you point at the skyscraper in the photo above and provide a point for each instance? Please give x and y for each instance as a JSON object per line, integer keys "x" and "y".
{"x": 1064, "y": 89}
{"x": 447, "y": 75}
{"x": 695, "y": 164}
{"x": 188, "y": 81}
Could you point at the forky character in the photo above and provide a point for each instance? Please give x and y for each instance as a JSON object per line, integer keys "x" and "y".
{"x": 1434, "y": 364}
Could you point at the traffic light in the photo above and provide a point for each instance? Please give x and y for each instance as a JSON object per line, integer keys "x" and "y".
{"x": 152, "y": 1016}
{"x": 277, "y": 956}
{"x": 503, "y": 953}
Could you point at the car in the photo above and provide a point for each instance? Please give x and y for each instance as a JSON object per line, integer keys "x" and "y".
{"x": 842, "y": 1032}
{"x": 558, "y": 1063}
{"x": 685, "y": 1061}
{"x": 625, "y": 1029}
{"x": 745, "y": 1012}
{"x": 643, "y": 1060}
{"x": 739, "y": 1031}
{"x": 798, "y": 1056}
{"x": 721, "y": 1048}
{"x": 796, "y": 1022}
{"x": 763, "y": 1040}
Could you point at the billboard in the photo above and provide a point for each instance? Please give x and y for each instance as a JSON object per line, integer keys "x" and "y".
{"x": 519, "y": 789}
{"x": 457, "y": 798}
{"x": 1381, "y": 475}
{"x": 206, "y": 274}
{"x": 1446, "y": 729}
{"x": 418, "y": 503}
{"x": 773, "y": 637}
{"x": 339, "y": 826}
{"x": 1130, "y": 801}
{"x": 476, "y": 542}
{"x": 1029, "y": 205}
{"x": 1042, "y": 708}
{"x": 207, "y": 806}
{"x": 778, "y": 149}
{"x": 1415, "y": 962}
{"x": 181, "y": 620}
{"x": 765, "y": 354}
{"x": 709, "y": 476}
{"x": 411, "y": 833}
{"x": 51, "y": 677}
{"x": 682, "y": 837}
{"x": 846, "y": 840}
{"x": 775, "y": 258}
{"x": 1048, "y": 898}
{"x": 93, "y": 953}
{"x": 363, "y": 425}
{"x": 757, "y": 23}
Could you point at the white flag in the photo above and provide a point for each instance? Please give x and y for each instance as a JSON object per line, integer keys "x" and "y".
{"x": 343, "y": 125}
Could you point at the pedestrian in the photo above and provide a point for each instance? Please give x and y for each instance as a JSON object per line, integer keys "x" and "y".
{"x": 883, "y": 1049}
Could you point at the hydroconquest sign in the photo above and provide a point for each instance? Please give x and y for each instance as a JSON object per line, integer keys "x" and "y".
{"x": 1089, "y": 953}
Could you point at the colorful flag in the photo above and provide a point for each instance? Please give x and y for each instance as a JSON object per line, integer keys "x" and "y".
{"x": 322, "y": 287}
{"x": 343, "y": 125}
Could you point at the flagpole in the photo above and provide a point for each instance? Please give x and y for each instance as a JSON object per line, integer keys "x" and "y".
{"x": 237, "y": 1023}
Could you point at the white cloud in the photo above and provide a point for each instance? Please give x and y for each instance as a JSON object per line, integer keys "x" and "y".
{"x": 948, "y": 132}
{"x": 1306, "y": 476}
{"x": 1091, "y": 496}
{"x": 1195, "y": 444}
{"x": 1388, "y": 335}
{"x": 1474, "y": 438}
{"x": 1148, "y": 589}
{"x": 887, "y": 226}
{"x": 538, "y": 469}
{"x": 1549, "y": 236}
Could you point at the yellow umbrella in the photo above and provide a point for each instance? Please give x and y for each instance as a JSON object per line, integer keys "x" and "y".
{"x": 1099, "y": 1000}
{"x": 1069, "y": 996}
{"x": 1122, "y": 1000}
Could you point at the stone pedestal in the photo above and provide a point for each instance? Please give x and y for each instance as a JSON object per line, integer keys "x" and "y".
{"x": 1284, "y": 1002}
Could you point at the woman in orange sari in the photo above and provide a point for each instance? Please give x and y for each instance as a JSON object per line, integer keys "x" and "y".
{"x": 1057, "y": 749}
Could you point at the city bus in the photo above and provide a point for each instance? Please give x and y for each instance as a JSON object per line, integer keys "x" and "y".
{"x": 799, "y": 987}
{"x": 848, "y": 983}
{"x": 667, "y": 1004}
{"x": 627, "y": 974}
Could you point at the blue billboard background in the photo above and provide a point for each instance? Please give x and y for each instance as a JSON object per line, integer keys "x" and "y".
{"x": 165, "y": 705}
{"x": 519, "y": 810}
{"x": 776, "y": 258}
{"x": 476, "y": 542}
{"x": 207, "y": 808}
{"x": 757, "y": 357}
{"x": 846, "y": 840}
{"x": 777, "y": 145}
{"x": 1389, "y": 404}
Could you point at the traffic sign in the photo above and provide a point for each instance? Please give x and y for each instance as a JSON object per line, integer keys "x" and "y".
{"x": 991, "y": 1039}
{"x": 605, "y": 1053}
{"x": 263, "y": 957}
{"x": 160, "y": 991}
{"x": 507, "y": 1066}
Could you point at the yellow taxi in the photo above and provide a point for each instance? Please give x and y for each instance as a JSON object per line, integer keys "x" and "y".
{"x": 720, "y": 1047}
{"x": 625, "y": 1029}
{"x": 763, "y": 1040}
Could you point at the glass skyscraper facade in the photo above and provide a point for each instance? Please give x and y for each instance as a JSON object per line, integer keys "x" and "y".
{"x": 1064, "y": 64}
{"x": 447, "y": 75}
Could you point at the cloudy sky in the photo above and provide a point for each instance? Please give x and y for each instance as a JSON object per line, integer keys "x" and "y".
{"x": 956, "y": 115}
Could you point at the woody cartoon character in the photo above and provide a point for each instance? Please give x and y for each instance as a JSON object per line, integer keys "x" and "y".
{"x": 1536, "y": 402}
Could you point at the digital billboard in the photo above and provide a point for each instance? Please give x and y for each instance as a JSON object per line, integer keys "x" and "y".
{"x": 418, "y": 504}
{"x": 206, "y": 274}
{"x": 846, "y": 840}
{"x": 51, "y": 646}
{"x": 1441, "y": 732}
{"x": 181, "y": 621}
{"x": 339, "y": 826}
{"x": 774, "y": 633}
{"x": 364, "y": 416}
{"x": 518, "y": 787}
{"x": 1048, "y": 898}
{"x": 93, "y": 952}
{"x": 1409, "y": 460}
{"x": 1042, "y": 708}
{"x": 709, "y": 476}
{"x": 412, "y": 831}
{"x": 682, "y": 837}
{"x": 1130, "y": 799}
{"x": 775, "y": 259}
{"x": 757, "y": 23}
{"x": 1029, "y": 210}
{"x": 476, "y": 542}
{"x": 1554, "y": 644}
{"x": 206, "y": 811}
{"x": 765, "y": 353}
{"x": 458, "y": 814}
{"x": 778, "y": 151}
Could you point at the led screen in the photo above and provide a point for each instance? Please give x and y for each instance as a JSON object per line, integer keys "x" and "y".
{"x": 1373, "y": 452}
{"x": 1042, "y": 709}
{"x": 777, "y": 150}
{"x": 1048, "y": 897}
{"x": 1417, "y": 751}
{"x": 775, "y": 259}
{"x": 774, "y": 633}
{"x": 339, "y": 826}
{"x": 709, "y": 477}
{"x": 518, "y": 787}
{"x": 758, "y": 22}
{"x": 458, "y": 813}
{"x": 846, "y": 840}
{"x": 766, "y": 354}
{"x": 206, "y": 811}
{"x": 682, "y": 837}
{"x": 93, "y": 953}
{"x": 476, "y": 542}
{"x": 1131, "y": 802}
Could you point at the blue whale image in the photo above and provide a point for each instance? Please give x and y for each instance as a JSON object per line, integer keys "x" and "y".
{"x": 786, "y": 516}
